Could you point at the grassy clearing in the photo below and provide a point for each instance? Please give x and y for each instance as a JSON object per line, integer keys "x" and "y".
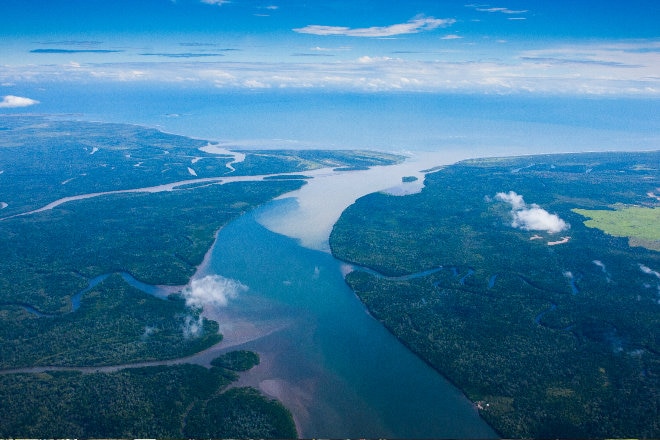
{"x": 641, "y": 225}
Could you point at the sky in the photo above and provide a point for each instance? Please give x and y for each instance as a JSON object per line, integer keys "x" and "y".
{"x": 561, "y": 47}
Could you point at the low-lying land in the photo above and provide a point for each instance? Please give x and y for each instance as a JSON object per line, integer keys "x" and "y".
{"x": 549, "y": 326}
{"x": 183, "y": 401}
{"x": 638, "y": 224}
{"x": 49, "y": 258}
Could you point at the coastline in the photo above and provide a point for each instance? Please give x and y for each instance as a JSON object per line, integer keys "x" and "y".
{"x": 237, "y": 331}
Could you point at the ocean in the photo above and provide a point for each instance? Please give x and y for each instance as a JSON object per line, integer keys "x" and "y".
{"x": 492, "y": 124}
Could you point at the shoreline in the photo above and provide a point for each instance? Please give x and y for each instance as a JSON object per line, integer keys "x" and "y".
{"x": 202, "y": 358}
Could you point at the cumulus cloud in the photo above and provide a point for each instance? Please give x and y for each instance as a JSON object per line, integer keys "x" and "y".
{"x": 11, "y": 101}
{"x": 538, "y": 219}
{"x": 514, "y": 199}
{"x": 413, "y": 26}
{"x": 212, "y": 290}
{"x": 531, "y": 217}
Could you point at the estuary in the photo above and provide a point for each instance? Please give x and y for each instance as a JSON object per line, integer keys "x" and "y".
{"x": 339, "y": 371}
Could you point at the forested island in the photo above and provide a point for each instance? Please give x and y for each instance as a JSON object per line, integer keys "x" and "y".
{"x": 532, "y": 283}
{"x": 90, "y": 214}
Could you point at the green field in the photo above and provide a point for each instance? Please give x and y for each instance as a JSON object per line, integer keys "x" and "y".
{"x": 640, "y": 224}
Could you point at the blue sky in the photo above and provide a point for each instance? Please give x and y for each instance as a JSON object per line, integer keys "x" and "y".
{"x": 605, "y": 48}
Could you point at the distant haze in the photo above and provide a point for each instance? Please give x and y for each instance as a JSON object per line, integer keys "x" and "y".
{"x": 520, "y": 124}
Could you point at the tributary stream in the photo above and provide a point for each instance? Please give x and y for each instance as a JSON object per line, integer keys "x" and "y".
{"x": 339, "y": 371}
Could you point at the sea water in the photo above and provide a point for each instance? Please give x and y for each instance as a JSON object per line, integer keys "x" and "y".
{"x": 476, "y": 124}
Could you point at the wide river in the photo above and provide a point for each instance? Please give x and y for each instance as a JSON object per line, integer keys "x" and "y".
{"x": 339, "y": 371}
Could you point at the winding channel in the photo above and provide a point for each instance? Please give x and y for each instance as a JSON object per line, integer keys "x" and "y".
{"x": 173, "y": 186}
{"x": 455, "y": 273}
{"x": 338, "y": 370}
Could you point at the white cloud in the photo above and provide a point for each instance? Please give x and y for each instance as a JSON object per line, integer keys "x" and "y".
{"x": 451, "y": 37}
{"x": 192, "y": 327}
{"x": 532, "y": 217}
{"x": 11, "y": 101}
{"x": 604, "y": 269}
{"x": 369, "y": 60}
{"x": 613, "y": 68}
{"x": 647, "y": 270}
{"x": 485, "y": 8}
{"x": 600, "y": 264}
{"x": 148, "y": 331}
{"x": 413, "y": 26}
{"x": 331, "y": 49}
{"x": 212, "y": 290}
{"x": 538, "y": 219}
{"x": 215, "y": 2}
{"x": 502, "y": 10}
{"x": 254, "y": 84}
{"x": 514, "y": 199}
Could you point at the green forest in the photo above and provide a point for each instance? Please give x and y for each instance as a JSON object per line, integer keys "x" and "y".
{"x": 182, "y": 401}
{"x": 54, "y": 317}
{"x": 550, "y": 326}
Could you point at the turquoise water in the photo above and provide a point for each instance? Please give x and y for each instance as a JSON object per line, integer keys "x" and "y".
{"x": 336, "y": 367}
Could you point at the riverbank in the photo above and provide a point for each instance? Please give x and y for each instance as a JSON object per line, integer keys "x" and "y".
{"x": 339, "y": 371}
{"x": 559, "y": 329}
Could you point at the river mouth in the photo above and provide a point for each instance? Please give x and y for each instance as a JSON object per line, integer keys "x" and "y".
{"x": 336, "y": 368}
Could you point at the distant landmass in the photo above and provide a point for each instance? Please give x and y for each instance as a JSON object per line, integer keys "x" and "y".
{"x": 532, "y": 283}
